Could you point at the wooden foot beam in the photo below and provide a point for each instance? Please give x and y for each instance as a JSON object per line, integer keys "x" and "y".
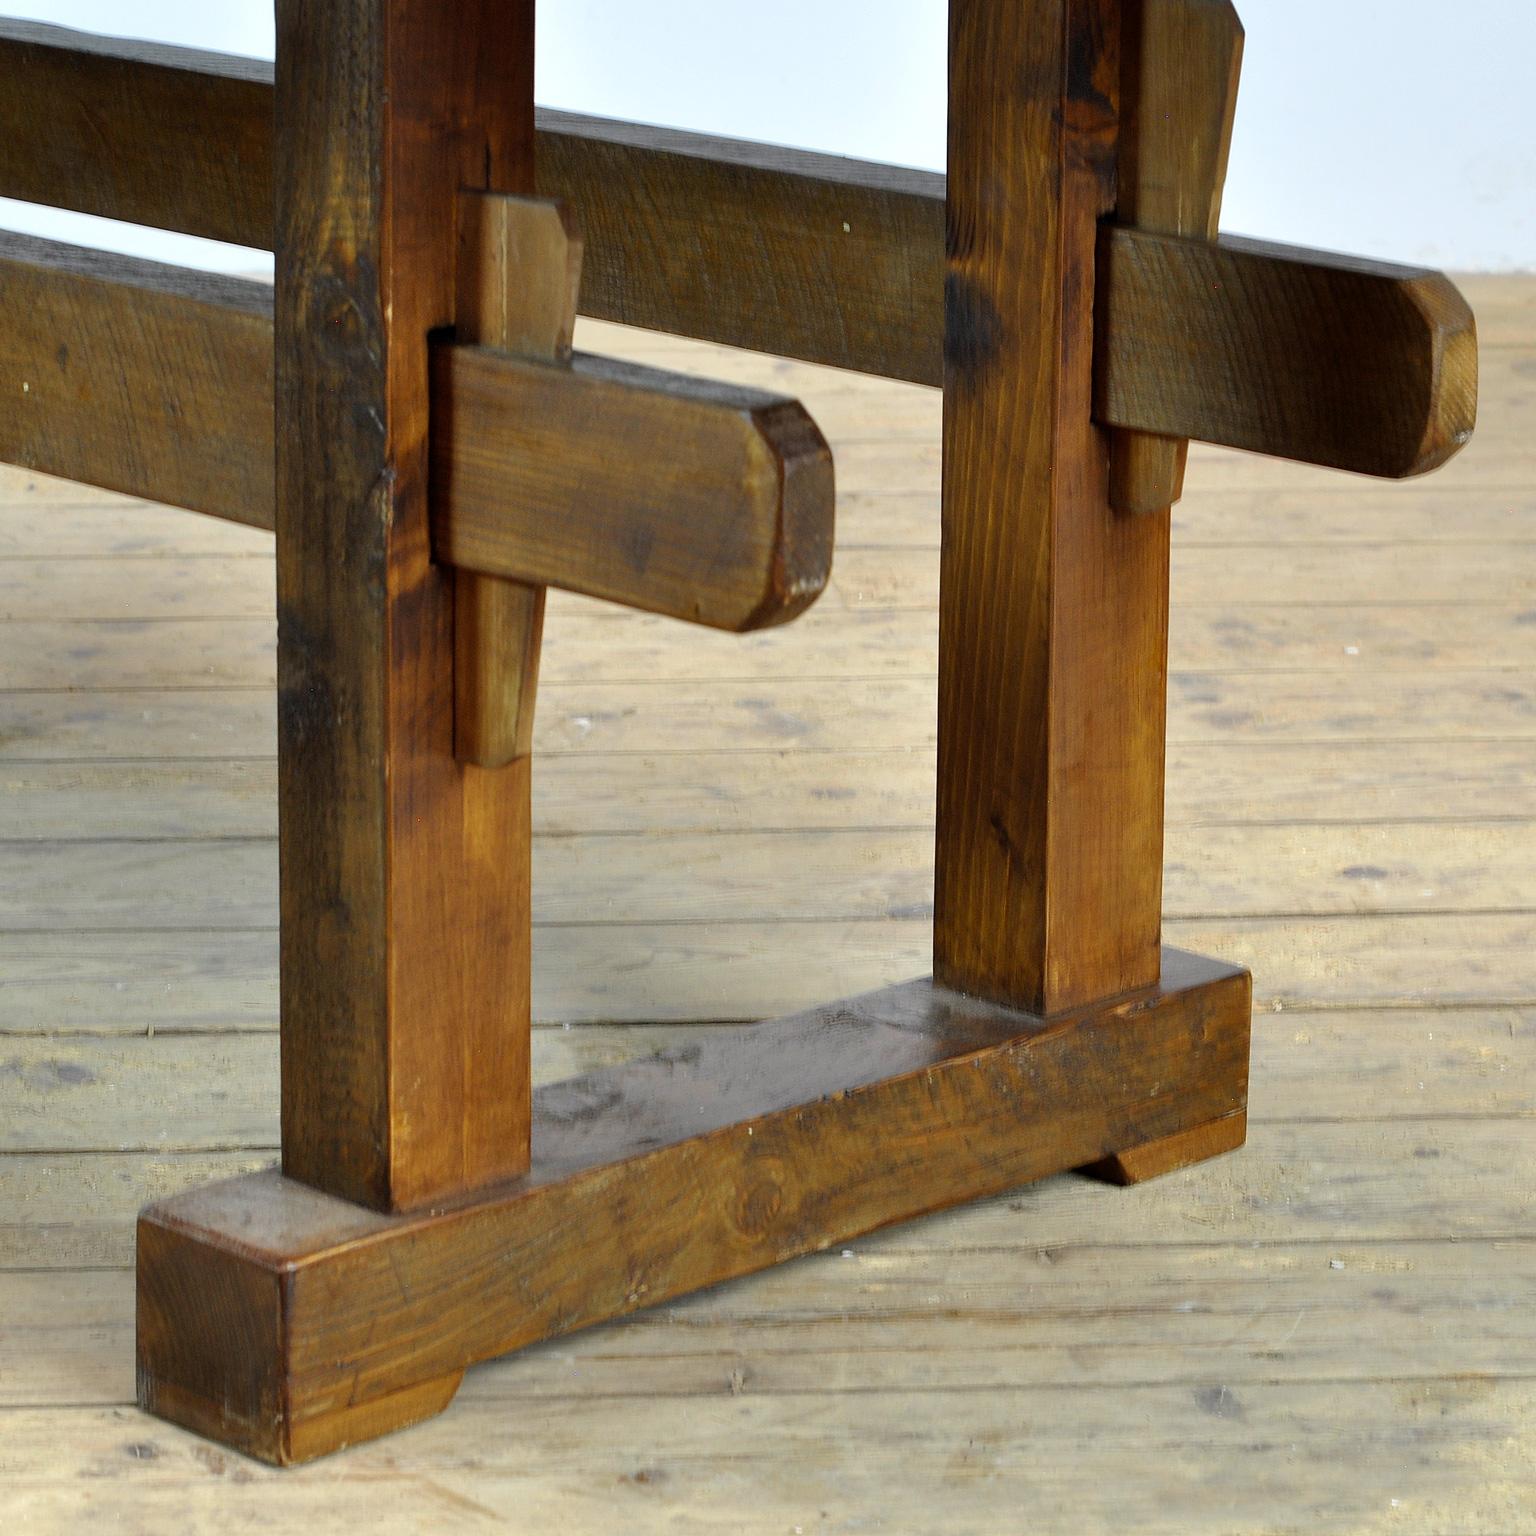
{"x": 288, "y": 1323}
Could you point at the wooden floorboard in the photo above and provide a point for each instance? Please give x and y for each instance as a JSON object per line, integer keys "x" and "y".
{"x": 1330, "y": 1332}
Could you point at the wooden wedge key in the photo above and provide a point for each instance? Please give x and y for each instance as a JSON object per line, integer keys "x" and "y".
{"x": 519, "y": 271}
{"x": 1181, "y": 60}
{"x": 411, "y": 419}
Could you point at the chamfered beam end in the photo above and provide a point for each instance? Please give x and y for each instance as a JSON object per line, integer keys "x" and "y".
{"x": 1331, "y": 360}
{"x": 701, "y": 501}
{"x": 1451, "y": 377}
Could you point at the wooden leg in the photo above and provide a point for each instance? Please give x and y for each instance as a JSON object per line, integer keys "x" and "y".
{"x": 1152, "y": 1159}
{"x": 284, "y": 1321}
{"x": 1053, "y": 611}
{"x": 405, "y": 914}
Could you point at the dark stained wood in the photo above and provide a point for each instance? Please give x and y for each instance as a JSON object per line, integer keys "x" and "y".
{"x": 171, "y": 137}
{"x": 519, "y": 271}
{"x": 812, "y": 256}
{"x": 707, "y": 502}
{"x": 147, "y": 379}
{"x": 1334, "y": 360}
{"x": 745, "y": 244}
{"x": 831, "y": 260}
{"x": 1053, "y": 611}
{"x": 404, "y": 874}
{"x": 733, "y": 1152}
{"x": 1180, "y": 65}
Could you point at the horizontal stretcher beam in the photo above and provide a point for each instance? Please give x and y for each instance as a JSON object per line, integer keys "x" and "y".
{"x": 703, "y": 501}
{"x": 1356, "y": 365}
{"x": 811, "y": 256}
{"x": 711, "y": 504}
{"x": 151, "y": 380}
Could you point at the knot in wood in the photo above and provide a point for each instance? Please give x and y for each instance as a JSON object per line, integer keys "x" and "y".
{"x": 764, "y": 1197}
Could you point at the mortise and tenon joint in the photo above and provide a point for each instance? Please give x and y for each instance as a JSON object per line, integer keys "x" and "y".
{"x": 409, "y": 416}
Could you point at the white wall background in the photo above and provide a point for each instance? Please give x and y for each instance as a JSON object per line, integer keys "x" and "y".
{"x": 1398, "y": 128}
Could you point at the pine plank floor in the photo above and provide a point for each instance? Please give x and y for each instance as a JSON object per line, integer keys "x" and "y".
{"x": 1332, "y": 1332}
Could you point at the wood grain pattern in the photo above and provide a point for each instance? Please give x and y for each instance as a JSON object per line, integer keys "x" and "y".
{"x": 404, "y": 874}
{"x": 809, "y": 256}
{"x": 142, "y": 378}
{"x": 78, "y": 1098}
{"x": 498, "y": 636}
{"x": 954, "y": 1458}
{"x": 1053, "y": 611}
{"x": 801, "y": 1133}
{"x": 833, "y": 260}
{"x": 1181, "y": 60}
{"x": 848, "y": 875}
{"x": 702, "y": 501}
{"x": 175, "y": 138}
{"x": 1298, "y": 1181}
{"x": 687, "y": 232}
{"x": 518, "y": 276}
{"x": 710, "y": 503}
{"x": 155, "y": 381}
{"x": 365, "y": 682}
{"x": 889, "y": 1381}
{"x": 909, "y": 1311}
{"x": 58, "y": 642}
{"x": 1333, "y": 360}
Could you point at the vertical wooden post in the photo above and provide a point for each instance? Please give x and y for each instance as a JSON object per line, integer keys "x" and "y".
{"x": 405, "y": 942}
{"x": 1053, "y": 619}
